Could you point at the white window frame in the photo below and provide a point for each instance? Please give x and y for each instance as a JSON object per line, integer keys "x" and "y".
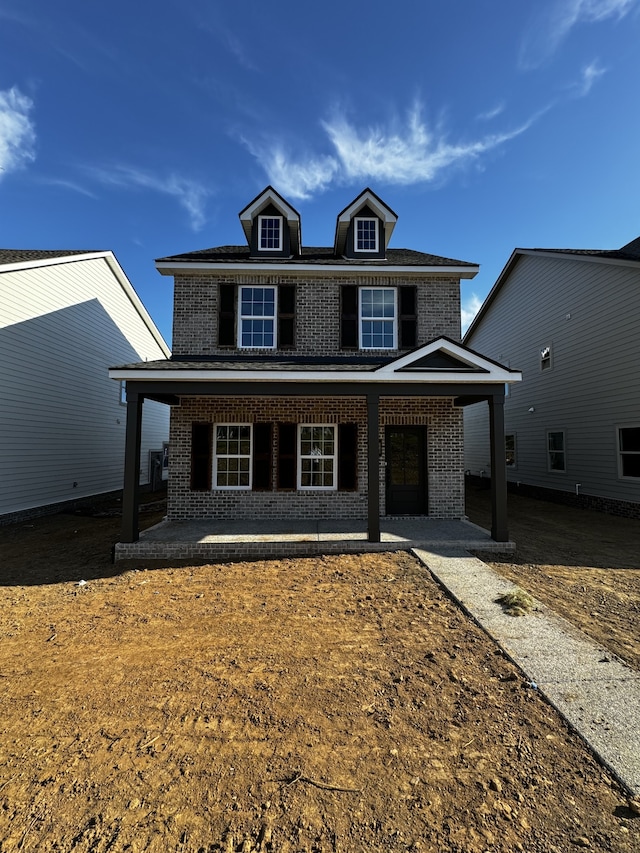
{"x": 218, "y": 456}
{"x": 302, "y": 457}
{"x": 274, "y": 218}
{"x": 254, "y": 317}
{"x": 552, "y": 470}
{"x": 546, "y": 358}
{"x": 622, "y": 453}
{"x": 362, "y": 320}
{"x": 356, "y": 221}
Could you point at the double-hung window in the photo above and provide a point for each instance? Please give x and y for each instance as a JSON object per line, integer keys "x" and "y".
{"x": 257, "y": 318}
{"x": 270, "y": 233}
{"x": 378, "y": 312}
{"x": 317, "y": 457}
{"x": 556, "y": 451}
{"x": 366, "y": 237}
{"x": 629, "y": 451}
{"x": 232, "y": 456}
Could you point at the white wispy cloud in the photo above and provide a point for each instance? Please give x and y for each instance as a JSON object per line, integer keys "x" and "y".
{"x": 296, "y": 176}
{"x": 551, "y": 24}
{"x": 396, "y": 154}
{"x": 468, "y": 310}
{"x": 190, "y": 194}
{"x": 17, "y": 132}
{"x": 590, "y": 73}
{"x": 492, "y": 113}
{"x": 64, "y": 184}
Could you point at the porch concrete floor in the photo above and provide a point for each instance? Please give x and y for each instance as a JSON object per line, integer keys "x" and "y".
{"x": 240, "y": 539}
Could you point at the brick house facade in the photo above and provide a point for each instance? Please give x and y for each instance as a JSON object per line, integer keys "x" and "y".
{"x": 316, "y": 382}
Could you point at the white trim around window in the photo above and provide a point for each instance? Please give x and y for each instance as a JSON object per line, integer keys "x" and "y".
{"x": 378, "y": 318}
{"x": 317, "y": 449}
{"x": 628, "y": 451}
{"x": 556, "y": 451}
{"x": 257, "y": 315}
{"x": 270, "y": 230}
{"x": 232, "y": 456}
{"x": 365, "y": 234}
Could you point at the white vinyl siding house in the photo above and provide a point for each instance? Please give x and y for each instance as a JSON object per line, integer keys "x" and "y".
{"x": 65, "y": 318}
{"x": 569, "y": 321}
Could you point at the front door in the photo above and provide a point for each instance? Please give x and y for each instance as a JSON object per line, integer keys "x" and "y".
{"x": 406, "y": 452}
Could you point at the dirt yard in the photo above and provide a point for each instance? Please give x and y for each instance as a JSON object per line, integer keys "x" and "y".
{"x": 334, "y": 704}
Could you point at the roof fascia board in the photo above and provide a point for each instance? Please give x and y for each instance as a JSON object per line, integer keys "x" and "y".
{"x": 239, "y": 377}
{"x": 570, "y": 256}
{"x": 49, "y": 262}
{"x": 240, "y": 268}
{"x": 135, "y": 300}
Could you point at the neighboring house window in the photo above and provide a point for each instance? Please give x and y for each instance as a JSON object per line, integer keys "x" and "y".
{"x": 123, "y": 392}
{"x": 270, "y": 233}
{"x": 510, "y": 450}
{"x": 317, "y": 468}
{"x": 257, "y": 320}
{"x": 556, "y": 451}
{"x": 366, "y": 234}
{"x": 545, "y": 358}
{"x": 232, "y": 456}
{"x": 378, "y": 329}
{"x": 629, "y": 451}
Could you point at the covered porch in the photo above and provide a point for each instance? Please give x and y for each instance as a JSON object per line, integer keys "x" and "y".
{"x": 215, "y": 541}
{"x": 442, "y": 370}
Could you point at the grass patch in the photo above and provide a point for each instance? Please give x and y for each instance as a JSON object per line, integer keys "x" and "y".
{"x": 517, "y": 602}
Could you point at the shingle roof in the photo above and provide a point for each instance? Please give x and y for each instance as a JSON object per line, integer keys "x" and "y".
{"x": 312, "y": 255}
{"x": 18, "y": 256}
{"x": 237, "y": 363}
{"x": 630, "y": 252}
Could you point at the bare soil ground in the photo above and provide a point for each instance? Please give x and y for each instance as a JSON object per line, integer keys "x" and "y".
{"x": 331, "y": 704}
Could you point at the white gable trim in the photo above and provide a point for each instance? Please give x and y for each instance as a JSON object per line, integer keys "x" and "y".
{"x": 482, "y": 369}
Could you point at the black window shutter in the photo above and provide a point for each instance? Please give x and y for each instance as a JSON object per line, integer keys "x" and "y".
{"x": 408, "y": 321}
{"x": 227, "y": 316}
{"x": 347, "y": 457}
{"x": 349, "y": 318}
{"x": 287, "y": 456}
{"x": 201, "y": 435}
{"x": 261, "y": 457}
{"x": 286, "y": 316}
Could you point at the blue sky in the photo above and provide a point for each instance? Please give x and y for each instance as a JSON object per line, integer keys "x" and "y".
{"x": 145, "y": 127}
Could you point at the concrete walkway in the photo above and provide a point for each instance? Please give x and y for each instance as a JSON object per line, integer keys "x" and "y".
{"x": 596, "y": 694}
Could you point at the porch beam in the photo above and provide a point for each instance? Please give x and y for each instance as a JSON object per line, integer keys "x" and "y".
{"x": 171, "y": 389}
{"x": 131, "y": 489}
{"x": 373, "y": 442}
{"x": 499, "y": 524}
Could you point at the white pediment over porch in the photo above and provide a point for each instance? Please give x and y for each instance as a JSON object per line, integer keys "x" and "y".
{"x": 445, "y": 358}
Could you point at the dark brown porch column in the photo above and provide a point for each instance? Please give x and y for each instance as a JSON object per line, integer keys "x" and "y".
{"x": 499, "y": 524}
{"x": 373, "y": 485}
{"x": 130, "y": 494}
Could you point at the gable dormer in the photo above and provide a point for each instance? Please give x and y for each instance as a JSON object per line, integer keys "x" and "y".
{"x": 364, "y": 228}
{"x": 271, "y": 226}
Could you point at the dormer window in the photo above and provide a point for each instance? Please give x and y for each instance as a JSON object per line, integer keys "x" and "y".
{"x": 366, "y": 234}
{"x": 270, "y": 233}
